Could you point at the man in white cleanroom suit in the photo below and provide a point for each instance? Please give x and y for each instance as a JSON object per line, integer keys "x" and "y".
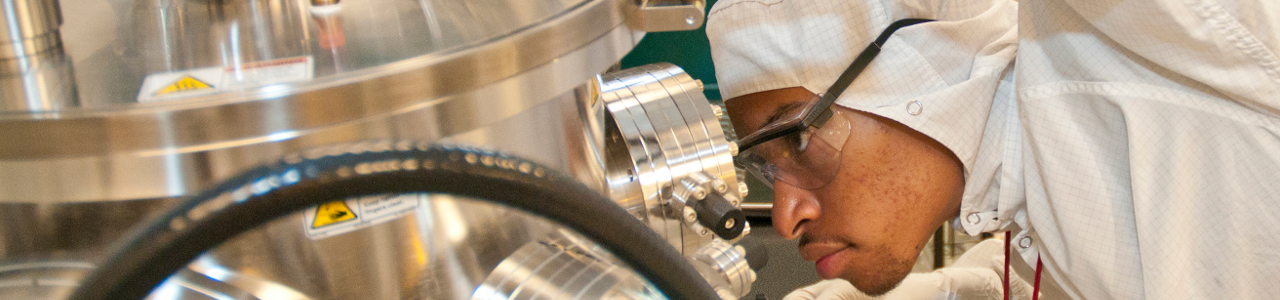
{"x": 1130, "y": 149}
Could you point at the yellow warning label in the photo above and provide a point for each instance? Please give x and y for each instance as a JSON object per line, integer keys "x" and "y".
{"x": 332, "y": 213}
{"x": 186, "y": 83}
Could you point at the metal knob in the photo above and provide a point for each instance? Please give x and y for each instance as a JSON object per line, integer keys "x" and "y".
{"x": 718, "y": 214}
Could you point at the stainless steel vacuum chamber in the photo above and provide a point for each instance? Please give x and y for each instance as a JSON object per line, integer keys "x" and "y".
{"x": 114, "y": 114}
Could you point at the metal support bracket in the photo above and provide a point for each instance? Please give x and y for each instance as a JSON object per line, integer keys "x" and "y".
{"x": 666, "y": 15}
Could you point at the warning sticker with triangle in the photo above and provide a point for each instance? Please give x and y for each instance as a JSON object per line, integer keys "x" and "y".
{"x": 332, "y": 213}
{"x": 197, "y": 82}
{"x": 339, "y": 217}
{"x": 184, "y": 84}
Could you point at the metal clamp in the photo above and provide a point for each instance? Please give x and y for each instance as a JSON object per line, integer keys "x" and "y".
{"x": 666, "y": 15}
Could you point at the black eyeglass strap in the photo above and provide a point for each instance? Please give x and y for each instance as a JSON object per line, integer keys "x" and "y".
{"x": 818, "y": 114}
{"x": 822, "y": 110}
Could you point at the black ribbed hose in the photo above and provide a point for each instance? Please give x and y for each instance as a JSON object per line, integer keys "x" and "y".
{"x": 302, "y": 181}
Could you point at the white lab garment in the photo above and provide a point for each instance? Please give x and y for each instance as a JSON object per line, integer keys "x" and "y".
{"x": 1137, "y": 156}
{"x": 1151, "y": 148}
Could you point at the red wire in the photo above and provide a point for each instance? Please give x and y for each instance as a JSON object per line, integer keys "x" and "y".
{"x": 1035, "y": 291}
{"x": 1007, "y": 237}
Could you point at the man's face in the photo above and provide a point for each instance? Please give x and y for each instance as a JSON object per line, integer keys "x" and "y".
{"x": 895, "y": 187}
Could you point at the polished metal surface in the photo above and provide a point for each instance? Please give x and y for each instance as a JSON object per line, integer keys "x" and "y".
{"x": 667, "y": 15}
{"x": 725, "y": 266}
{"x": 192, "y": 284}
{"x": 764, "y": 208}
{"x": 41, "y": 279}
{"x": 36, "y": 232}
{"x": 28, "y": 27}
{"x": 174, "y": 172}
{"x": 37, "y": 82}
{"x": 661, "y": 129}
{"x": 562, "y": 267}
{"x": 117, "y": 43}
{"x": 379, "y": 85}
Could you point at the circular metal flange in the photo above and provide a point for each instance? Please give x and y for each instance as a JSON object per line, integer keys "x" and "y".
{"x": 656, "y": 128}
{"x": 703, "y": 115}
{"x": 668, "y": 128}
{"x": 641, "y": 143}
{"x": 675, "y": 140}
{"x": 688, "y": 114}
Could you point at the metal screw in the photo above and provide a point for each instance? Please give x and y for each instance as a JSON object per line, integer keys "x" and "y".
{"x": 733, "y": 148}
{"x": 742, "y": 189}
{"x": 718, "y": 110}
{"x": 720, "y": 186}
{"x": 697, "y": 228}
{"x": 729, "y": 224}
{"x": 699, "y": 193}
{"x": 690, "y": 215}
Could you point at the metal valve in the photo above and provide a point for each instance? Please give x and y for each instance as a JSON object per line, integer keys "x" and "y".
{"x": 706, "y": 206}
{"x": 721, "y": 216}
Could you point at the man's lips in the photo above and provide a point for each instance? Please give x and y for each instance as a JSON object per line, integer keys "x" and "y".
{"x": 829, "y": 258}
{"x": 816, "y": 251}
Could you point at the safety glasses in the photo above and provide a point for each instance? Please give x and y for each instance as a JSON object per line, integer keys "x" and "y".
{"x": 802, "y": 144}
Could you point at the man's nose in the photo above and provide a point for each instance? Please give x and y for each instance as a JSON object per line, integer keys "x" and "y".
{"x": 793, "y": 210}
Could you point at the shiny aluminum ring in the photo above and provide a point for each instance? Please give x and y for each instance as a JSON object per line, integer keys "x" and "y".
{"x": 650, "y": 166}
{"x": 703, "y": 115}
{"x": 670, "y": 131}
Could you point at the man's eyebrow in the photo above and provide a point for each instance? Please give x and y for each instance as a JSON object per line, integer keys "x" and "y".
{"x": 783, "y": 110}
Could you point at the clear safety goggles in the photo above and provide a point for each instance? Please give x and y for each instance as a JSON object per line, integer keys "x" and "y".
{"x": 807, "y": 157}
{"x": 802, "y": 146}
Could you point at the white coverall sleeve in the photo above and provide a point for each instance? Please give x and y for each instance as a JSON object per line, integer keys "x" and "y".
{"x": 976, "y": 275}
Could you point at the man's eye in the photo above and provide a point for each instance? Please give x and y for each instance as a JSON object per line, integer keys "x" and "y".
{"x": 804, "y": 140}
{"x": 794, "y": 141}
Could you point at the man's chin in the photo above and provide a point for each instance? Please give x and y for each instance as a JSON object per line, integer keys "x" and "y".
{"x": 876, "y": 286}
{"x": 881, "y": 279}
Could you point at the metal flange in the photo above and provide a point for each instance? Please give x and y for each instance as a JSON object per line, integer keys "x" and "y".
{"x": 677, "y": 151}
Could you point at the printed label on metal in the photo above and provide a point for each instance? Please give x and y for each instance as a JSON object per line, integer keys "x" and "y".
{"x": 339, "y": 217}
{"x": 196, "y": 82}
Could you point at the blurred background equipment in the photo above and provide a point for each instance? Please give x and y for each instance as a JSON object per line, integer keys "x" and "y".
{"x": 142, "y": 135}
